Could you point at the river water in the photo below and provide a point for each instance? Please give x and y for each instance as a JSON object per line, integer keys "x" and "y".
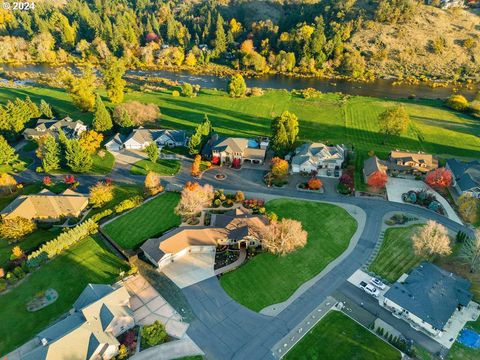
{"x": 378, "y": 88}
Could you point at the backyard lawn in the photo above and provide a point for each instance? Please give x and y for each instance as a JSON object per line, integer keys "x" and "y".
{"x": 461, "y": 352}
{"x": 268, "y": 279}
{"x": 396, "y": 255}
{"x": 149, "y": 220}
{"x": 161, "y": 167}
{"x": 337, "y": 337}
{"x": 27, "y": 244}
{"x": 68, "y": 274}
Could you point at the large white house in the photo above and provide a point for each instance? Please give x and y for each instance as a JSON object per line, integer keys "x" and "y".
{"x": 100, "y": 314}
{"x": 314, "y": 156}
{"x": 72, "y": 129}
{"x": 140, "y": 138}
{"x": 428, "y": 297}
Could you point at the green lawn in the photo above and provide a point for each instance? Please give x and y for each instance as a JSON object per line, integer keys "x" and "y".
{"x": 162, "y": 167}
{"x": 102, "y": 165}
{"x": 28, "y": 243}
{"x": 331, "y": 118}
{"x": 269, "y": 279}
{"x": 120, "y": 193}
{"x": 16, "y": 167}
{"x": 69, "y": 273}
{"x": 337, "y": 337}
{"x": 149, "y": 220}
{"x": 396, "y": 255}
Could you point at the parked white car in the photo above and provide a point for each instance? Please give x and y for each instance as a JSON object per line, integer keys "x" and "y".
{"x": 377, "y": 283}
{"x": 371, "y": 290}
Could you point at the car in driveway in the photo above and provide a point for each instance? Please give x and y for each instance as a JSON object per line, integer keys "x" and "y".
{"x": 378, "y": 283}
{"x": 370, "y": 289}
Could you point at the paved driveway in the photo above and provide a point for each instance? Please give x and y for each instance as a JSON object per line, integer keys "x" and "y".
{"x": 129, "y": 157}
{"x": 397, "y": 186}
{"x": 191, "y": 268}
{"x": 148, "y": 305}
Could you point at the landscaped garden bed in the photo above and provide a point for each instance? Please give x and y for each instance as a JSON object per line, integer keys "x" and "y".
{"x": 225, "y": 256}
{"x": 424, "y": 199}
{"x": 267, "y": 279}
{"x": 42, "y": 299}
{"x": 337, "y": 337}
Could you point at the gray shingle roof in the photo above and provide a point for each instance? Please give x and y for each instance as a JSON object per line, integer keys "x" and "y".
{"x": 373, "y": 164}
{"x": 62, "y": 327}
{"x": 466, "y": 174}
{"x": 92, "y": 293}
{"x": 431, "y": 293}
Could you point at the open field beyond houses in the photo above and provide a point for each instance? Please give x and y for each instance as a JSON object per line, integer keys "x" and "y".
{"x": 331, "y": 118}
{"x": 269, "y": 279}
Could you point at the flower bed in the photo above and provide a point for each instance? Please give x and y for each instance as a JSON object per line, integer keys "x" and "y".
{"x": 424, "y": 199}
{"x": 42, "y": 299}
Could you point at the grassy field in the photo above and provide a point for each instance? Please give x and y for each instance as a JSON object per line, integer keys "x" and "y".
{"x": 161, "y": 167}
{"x": 68, "y": 274}
{"x": 27, "y": 244}
{"x": 396, "y": 255}
{"x": 331, "y": 118}
{"x": 337, "y": 337}
{"x": 149, "y": 220}
{"x": 268, "y": 279}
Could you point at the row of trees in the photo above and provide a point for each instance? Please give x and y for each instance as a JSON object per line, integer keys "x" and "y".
{"x": 202, "y": 132}
{"x": 15, "y": 114}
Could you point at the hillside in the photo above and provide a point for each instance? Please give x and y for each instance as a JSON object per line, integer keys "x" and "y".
{"x": 433, "y": 43}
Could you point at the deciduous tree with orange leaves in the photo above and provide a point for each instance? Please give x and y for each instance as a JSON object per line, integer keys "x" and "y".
{"x": 315, "y": 184}
{"x": 377, "y": 180}
{"x": 441, "y": 177}
{"x": 279, "y": 167}
{"x": 196, "y": 165}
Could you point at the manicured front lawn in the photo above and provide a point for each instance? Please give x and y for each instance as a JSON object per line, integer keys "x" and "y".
{"x": 16, "y": 167}
{"x": 102, "y": 165}
{"x": 149, "y": 220}
{"x": 396, "y": 255}
{"x": 337, "y": 337}
{"x": 269, "y": 279}
{"x": 161, "y": 167}
{"x": 27, "y": 244}
{"x": 68, "y": 274}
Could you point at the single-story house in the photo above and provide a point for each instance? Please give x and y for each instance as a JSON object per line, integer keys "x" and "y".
{"x": 115, "y": 144}
{"x": 234, "y": 151}
{"x": 372, "y": 165}
{"x": 466, "y": 176}
{"x": 46, "y": 206}
{"x": 411, "y": 163}
{"x": 314, "y": 156}
{"x": 72, "y": 129}
{"x": 100, "y": 314}
{"x": 428, "y": 297}
{"x": 235, "y": 227}
{"x": 140, "y": 138}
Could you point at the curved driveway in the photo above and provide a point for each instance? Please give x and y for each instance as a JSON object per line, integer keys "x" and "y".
{"x": 225, "y": 329}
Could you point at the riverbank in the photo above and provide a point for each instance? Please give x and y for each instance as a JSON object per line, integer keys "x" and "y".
{"x": 216, "y": 78}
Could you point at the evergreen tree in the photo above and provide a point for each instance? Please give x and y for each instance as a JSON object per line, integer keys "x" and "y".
{"x": 112, "y": 77}
{"x": 205, "y": 128}
{"x": 7, "y": 153}
{"x": 46, "y": 109}
{"x": 50, "y": 154}
{"x": 123, "y": 119}
{"x": 280, "y": 139}
{"x": 152, "y": 152}
{"x": 77, "y": 158}
{"x": 194, "y": 143}
{"x": 220, "y": 37}
{"x": 236, "y": 86}
{"x": 101, "y": 119}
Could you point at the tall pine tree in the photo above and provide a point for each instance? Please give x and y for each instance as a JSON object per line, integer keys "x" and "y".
{"x": 50, "y": 154}
{"x": 78, "y": 159}
{"x": 46, "y": 109}
{"x": 112, "y": 77}
{"x": 7, "y": 153}
{"x": 220, "y": 37}
{"x": 101, "y": 119}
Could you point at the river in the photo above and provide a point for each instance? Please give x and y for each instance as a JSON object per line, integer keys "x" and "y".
{"x": 378, "y": 88}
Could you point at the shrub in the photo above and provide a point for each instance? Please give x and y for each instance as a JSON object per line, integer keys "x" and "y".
{"x": 16, "y": 228}
{"x": 11, "y": 278}
{"x": 153, "y": 334}
{"x": 129, "y": 203}
{"x": 239, "y": 196}
{"x": 187, "y": 90}
{"x": 19, "y": 273}
{"x": 343, "y": 189}
{"x": 65, "y": 240}
{"x": 314, "y": 184}
{"x": 217, "y": 203}
{"x": 99, "y": 216}
{"x": 3, "y": 285}
{"x": 175, "y": 93}
{"x": 100, "y": 194}
{"x": 457, "y": 102}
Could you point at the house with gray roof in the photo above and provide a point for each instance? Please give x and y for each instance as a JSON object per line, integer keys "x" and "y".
{"x": 373, "y": 165}
{"x": 72, "y": 129}
{"x": 314, "y": 156}
{"x": 99, "y": 316}
{"x": 428, "y": 297}
{"x": 234, "y": 151}
{"x": 466, "y": 176}
{"x": 140, "y": 138}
